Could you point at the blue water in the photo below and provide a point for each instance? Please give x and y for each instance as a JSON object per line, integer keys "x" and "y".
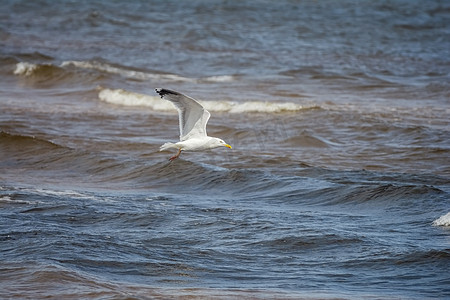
{"x": 337, "y": 185}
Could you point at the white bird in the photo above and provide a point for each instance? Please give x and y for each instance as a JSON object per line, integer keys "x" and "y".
{"x": 192, "y": 118}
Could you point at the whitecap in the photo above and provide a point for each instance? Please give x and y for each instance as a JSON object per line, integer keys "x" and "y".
{"x": 127, "y": 98}
{"x": 6, "y": 199}
{"x": 219, "y": 78}
{"x": 139, "y": 75}
{"x": 25, "y": 68}
{"x": 103, "y": 67}
{"x": 443, "y": 220}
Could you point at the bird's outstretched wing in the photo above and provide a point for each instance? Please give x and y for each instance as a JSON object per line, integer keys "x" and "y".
{"x": 192, "y": 115}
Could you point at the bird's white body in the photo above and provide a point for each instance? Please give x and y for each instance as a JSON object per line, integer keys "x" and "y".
{"x": 193, "y": 118}
{"x": 195, "y": 144}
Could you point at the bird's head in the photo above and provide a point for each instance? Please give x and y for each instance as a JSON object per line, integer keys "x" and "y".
{"x": 220, "y": 143}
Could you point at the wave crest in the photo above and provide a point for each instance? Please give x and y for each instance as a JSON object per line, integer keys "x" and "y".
{"x": 443, "y": 220}
{"x": 24, "y": 142}
{"x": 47, "y": 74}
{"x": 24, "y": 68}
{"x": 28, "y": 69}
{"x": 141, "y": 75}
{"x": 127, "y": 98}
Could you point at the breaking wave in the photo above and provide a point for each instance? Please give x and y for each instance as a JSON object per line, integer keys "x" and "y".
{"x": 443, "y": 220}
{"x": 127, "y": 98}
{"x": 50, "y": 73}
{"x": 26, "y": 69}
{"x": 30, "y": 69}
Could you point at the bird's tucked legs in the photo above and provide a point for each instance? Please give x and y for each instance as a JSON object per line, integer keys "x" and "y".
{"x": 175, "y": 156}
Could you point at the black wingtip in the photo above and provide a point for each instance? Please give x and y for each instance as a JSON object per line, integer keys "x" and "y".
{"x": 163, "y": 92}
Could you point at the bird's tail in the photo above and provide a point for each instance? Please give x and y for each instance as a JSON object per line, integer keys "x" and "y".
{"x": 167, "y": 146}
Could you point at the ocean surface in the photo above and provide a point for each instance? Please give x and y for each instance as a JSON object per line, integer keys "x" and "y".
{"x": 337, "y": 186}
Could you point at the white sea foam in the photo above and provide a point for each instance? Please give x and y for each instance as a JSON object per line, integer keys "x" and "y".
{"x": 127, "y": 98}
{"x": 62, "y": 193}
{"x": 139, "y": 75}
{"x": 8, "y": 200}
{"x": 25, "y": 68}
{"x": 107, "y": 68}
{"x": 443, "y": 220}
{"x": 219, "y": 78}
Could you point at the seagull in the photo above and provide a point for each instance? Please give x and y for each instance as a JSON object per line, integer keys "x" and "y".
{"x": 192, "y": 118}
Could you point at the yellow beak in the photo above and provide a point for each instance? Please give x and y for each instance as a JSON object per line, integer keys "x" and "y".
{"x": 228, "y": 146}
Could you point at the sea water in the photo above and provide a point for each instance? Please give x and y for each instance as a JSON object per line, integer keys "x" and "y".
{"x": 337, "y": 185}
